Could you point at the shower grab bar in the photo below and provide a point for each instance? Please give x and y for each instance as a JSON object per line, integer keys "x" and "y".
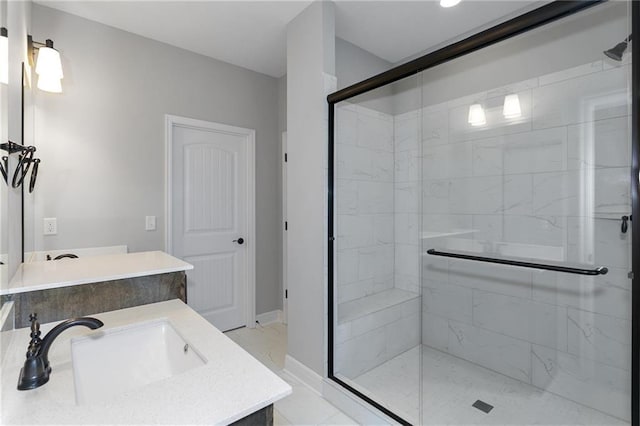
{"x": 600, "y": 270}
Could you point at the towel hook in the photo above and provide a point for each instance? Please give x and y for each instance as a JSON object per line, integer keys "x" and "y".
{"x": 26, "y": 158}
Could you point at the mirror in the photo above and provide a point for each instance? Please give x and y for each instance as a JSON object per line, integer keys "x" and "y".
{"x": 101, "y": 143}
{"x": 15, "y": 17}
{"x": 4, "y": 69}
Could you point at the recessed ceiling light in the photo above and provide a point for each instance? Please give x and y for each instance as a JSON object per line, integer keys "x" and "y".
{"x": 449, "y": 3}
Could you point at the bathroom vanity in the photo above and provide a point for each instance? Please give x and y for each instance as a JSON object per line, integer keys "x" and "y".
{"x": 66, "y": 288}
{"x": 202, "y": 378}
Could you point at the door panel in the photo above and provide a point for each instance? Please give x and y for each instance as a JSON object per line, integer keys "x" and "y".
{"x": 210, "y": 200}
{"x": 205, "y": 298}
{"x": 209, "y": 191}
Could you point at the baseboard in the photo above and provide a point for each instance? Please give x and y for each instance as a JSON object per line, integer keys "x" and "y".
{"x": 269, "y": 317}
{"x": 303, "y": 373}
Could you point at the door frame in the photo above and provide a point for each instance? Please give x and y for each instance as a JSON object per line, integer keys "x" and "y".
{"x": 172, "y": 121}
{"x": 285, "y": 259}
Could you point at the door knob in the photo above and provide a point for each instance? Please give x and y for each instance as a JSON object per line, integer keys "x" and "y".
{"x": 239, "y": 240}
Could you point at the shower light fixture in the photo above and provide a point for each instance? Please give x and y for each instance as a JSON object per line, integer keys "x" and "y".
{"x": 476, "y": 115}
{"x": 4, "y": 56}
{"x": 48, "y": 65}
{"x": 511, "y": 108}
{"x": 449, "y": 3}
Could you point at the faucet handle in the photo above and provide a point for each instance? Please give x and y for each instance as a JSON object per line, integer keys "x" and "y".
{"x": 35, "y": 327}
{"x": 34, "y": 344}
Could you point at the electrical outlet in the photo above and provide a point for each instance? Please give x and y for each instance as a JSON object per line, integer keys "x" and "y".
{"x": 50, "y": 226}
{"x": 150, "y": 223}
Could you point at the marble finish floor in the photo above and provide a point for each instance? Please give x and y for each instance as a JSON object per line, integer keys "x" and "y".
{"x": 451, "y": 385}
{"x": 268, "y": 344}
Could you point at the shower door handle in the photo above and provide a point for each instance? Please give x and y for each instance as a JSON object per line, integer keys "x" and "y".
{"x": 600, "y": 270}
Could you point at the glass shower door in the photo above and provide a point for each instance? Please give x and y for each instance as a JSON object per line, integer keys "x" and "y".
{"x": 376, "y": 282}
{"x": 526, "y": 160}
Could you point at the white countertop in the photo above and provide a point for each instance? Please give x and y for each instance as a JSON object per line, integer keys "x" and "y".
{"x": 44, "y": 275}
{"x": 230, "y": 386}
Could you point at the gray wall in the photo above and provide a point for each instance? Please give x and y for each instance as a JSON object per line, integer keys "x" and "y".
{"x": 102, "y": 140}
{"x": 310, "y": 54}
{"x": 354, "y": 64}
{"x": 282, "y": 104}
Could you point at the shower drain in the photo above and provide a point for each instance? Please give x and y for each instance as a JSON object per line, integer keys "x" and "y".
{"x": 482, "y": 406}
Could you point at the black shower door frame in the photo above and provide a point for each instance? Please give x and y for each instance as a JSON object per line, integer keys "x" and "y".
{"x": 521, "y": 24}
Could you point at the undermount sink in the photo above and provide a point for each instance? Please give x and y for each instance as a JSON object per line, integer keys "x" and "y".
{"x": 109, "y": 363}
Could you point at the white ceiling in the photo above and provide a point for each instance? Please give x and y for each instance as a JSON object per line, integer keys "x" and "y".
{"x": 252, "y": 34}
{"x": 396, "y": 30}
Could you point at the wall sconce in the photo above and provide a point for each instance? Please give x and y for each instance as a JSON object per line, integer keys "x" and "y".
{"x": 48, "y": 65}
{"x": 476, "y": 115}
{"x": 4, "y": 56}
{"x": 511, "y": 108}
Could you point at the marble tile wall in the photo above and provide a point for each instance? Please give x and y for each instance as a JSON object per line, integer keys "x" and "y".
{"x": 377, "y": 220}
{"x": 364, "y": 202}
{"x": 368, "y": 341}
{"x": 364, "y": 244}
{"x": 408, "y": 189}
{"x": 550, "y": 186}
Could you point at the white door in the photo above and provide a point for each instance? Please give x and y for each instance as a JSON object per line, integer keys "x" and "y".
{"x": 211, "y": 217}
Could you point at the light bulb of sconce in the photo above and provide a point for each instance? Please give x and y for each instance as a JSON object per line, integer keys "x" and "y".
{"x": 449, "y": 3}
{"x": 511, "y": 108}
{"x": 49, "y": 63}
{"x": 49, "y": 69}
{"x": 476, "y": 115}
{"x": 4, "y": 56}
{"x": 50, "y": 84}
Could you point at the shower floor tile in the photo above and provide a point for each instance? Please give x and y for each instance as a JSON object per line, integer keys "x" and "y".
{"x": 451, "y": 386}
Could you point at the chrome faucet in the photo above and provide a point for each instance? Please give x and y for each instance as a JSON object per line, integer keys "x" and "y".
{"x": 36, "y": 370}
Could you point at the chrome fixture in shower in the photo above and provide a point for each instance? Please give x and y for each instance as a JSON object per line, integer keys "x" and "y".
{"x": 617, "y": 51}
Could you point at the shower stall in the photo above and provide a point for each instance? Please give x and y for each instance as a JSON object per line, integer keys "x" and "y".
{"x": 480, "y": 226}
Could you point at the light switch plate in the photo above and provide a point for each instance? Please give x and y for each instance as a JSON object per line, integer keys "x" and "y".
{"x": 150, "y": 223}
